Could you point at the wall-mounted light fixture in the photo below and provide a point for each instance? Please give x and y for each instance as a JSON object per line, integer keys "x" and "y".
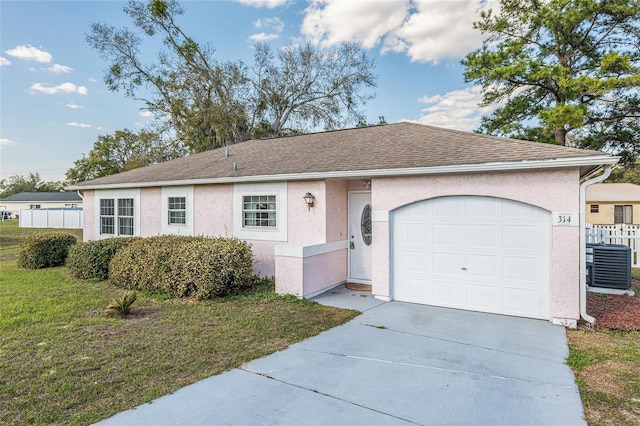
{"x": 367, "y": 184}
{"x": 309, "y": 199}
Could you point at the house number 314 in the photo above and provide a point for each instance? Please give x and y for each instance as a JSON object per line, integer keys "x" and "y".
{"x": 565, "y": 219}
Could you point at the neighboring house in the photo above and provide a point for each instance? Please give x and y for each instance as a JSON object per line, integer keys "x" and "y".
{"x": 613, "y": 203}
{"x": 41, "y": 200}
{"x": 424, "y": 214}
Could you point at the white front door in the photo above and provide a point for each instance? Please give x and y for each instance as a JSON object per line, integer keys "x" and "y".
{"x": 360, "y": 237}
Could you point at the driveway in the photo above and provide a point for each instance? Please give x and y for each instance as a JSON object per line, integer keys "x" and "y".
{"x": 397, "y": 363}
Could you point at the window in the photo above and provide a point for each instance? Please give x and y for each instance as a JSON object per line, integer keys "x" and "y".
{"x": 623, "y": 214}
{"x": 71, "y": 205}
{"x": 177, "y": 211}
{"x": 125, "y": 216}
{"x": 259, "y": 211}
{"x": 107, "y": 217}
{"x": 122, "y": 216}
{"x": 594, "y": 208}
{"x": 34, "y": 206}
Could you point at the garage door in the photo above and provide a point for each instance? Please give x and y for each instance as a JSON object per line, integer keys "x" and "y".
{"x": 476, "y": 253}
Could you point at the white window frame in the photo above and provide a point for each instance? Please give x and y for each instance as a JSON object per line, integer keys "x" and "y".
{"x": 185, "y": 192}
{"x": 257, "y": 210}
{"x": 35, "y": 206}
{"x": 70, "y": 206}
{"x": 117, "y": 194}
{"x": 260, "y": 233}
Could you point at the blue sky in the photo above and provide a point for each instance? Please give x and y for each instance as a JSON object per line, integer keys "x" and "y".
{"x": 54, "y": 104}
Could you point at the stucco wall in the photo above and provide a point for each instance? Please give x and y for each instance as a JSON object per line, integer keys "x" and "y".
{"x": 89, "y": 219}
{"x": 323, "y": 271}
{"x": 336, "y": 211}
{"x": 150, "y": 211}
{"x": 213, "y": 210}
{"x": 306, "y": 226}
{"x": 553, "y": 190}
{"x": 605, "y": 215}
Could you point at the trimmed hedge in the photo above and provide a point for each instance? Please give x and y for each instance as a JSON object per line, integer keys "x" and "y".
{"x": 181, "y": 266}
{"x": 45, "y": 249}
{"x": 91, "y": 259}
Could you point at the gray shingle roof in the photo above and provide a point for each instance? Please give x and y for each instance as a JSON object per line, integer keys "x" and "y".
{"x": 44, "y": 197}
{"x": 386, "y": 147}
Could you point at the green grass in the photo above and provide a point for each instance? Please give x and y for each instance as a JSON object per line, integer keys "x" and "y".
{"x": 607, "y": 368}
{"x": 62, "y": 361}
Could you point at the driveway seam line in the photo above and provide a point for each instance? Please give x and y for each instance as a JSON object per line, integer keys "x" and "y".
{"x": 467, "y": 344}
{"x": 427, "y": 367}
{"x": 265, "y": 375}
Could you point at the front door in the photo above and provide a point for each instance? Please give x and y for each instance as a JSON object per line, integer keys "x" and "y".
{"x": 360, "y": 237}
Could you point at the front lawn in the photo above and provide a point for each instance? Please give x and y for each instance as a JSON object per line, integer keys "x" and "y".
{"x": 63, "y": 362}
{"x": 606, "y": 360}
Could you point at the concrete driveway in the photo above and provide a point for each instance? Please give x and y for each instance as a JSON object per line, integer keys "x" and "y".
{"x": 397, "y": 363}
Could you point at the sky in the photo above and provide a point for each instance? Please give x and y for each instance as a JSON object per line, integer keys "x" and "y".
{"x": 54, "y": 103}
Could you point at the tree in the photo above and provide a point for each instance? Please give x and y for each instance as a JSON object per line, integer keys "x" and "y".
{"x": 561, "y": 71}
{"x": 122, "y": 151}
{"x": 302, "y": 86}
{"x": 32, "y": 183}
{"x": 625, "y": 175}
{"x": 206, "y": 103}
{"x": 190, "y": 91}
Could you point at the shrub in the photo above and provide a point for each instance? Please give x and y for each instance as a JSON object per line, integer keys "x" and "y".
{"x": 180, "y": 266}
{"x": 90, "y": 260}
{"x": 45, "y": 249}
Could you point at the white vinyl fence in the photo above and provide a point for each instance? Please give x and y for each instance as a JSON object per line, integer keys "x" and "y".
{"x": 627, "y": 235}
{"x": 51, "y": 218}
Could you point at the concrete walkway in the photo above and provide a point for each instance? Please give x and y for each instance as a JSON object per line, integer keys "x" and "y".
{"x": 397, "y": 363}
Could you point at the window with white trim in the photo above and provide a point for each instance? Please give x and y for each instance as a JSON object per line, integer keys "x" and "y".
{"x": 71, "y": 205}
{"x": 116, "y": 216}
{"x": 259, "y": 211}
{"x": 34, "y": 206}
{"x": 177, "y": 210}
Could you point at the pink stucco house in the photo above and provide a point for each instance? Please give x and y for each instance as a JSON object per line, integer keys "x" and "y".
{"x": 424, "y": 214}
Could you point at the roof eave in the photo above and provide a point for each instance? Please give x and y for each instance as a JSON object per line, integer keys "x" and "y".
{"x": 591, "y": 163}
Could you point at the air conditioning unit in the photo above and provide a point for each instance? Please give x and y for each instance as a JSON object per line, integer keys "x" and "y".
{"x": 610, "y": 266}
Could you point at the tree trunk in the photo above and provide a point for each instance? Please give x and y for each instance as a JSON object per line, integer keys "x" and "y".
{"x": 561, "y": 136}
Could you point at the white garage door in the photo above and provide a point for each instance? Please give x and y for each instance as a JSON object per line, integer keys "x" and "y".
{"x": 477, "y": 253}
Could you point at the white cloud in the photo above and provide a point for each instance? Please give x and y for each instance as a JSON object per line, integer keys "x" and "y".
{"x": 74, "y": 124}
{"x": 73, "y": 105}
{"x": 274, "y": 27}
{"x": 7, "y": 142}
{"x": 426, "y": 30}
{"x": 145, "y": 114}
{"x": 270, "y": 4}
{"x": 60, "y": 69}
{"x": 331, "y": 22}
{"x": 60, "y": 88}
{"x": 458, "y": 109}
{"x": 93, "y": 79}
{"x": 259, "y": 37}
{"x": 4, "y": 61}
{"x": 30, "y": 53}
{"x": 439, "y": 29}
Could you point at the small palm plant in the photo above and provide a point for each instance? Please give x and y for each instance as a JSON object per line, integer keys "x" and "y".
{"x": 121, "y": 306}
